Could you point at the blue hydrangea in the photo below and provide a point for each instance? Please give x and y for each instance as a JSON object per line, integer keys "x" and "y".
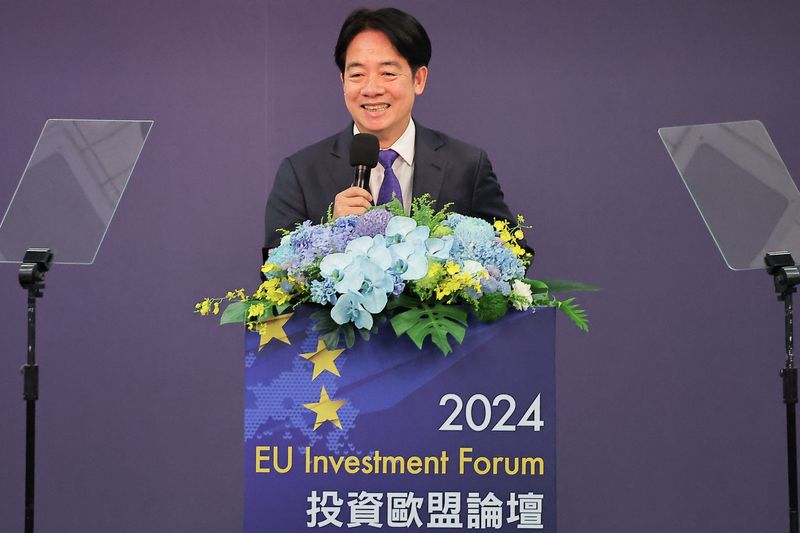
{"x": 347, "y": 221}
{"x": 453, "y": 220}
{"x": 505, "y": 288}
{"x": 492, "y": 285}
{"x": 473, "y": 230}
{"x": 493, "y": 271}
{"x": 493, "y": 256}
{"x": 309, "y": 243}
{"x": 372, "y": 223}
{"x": 342, "y": 232}
{"x": 399, "y": 284}
{"x": 281, "y": 256}
{"x": 322, "y": 292}
{"x": 472, "y": 293}
{"x": 489, "y": 285}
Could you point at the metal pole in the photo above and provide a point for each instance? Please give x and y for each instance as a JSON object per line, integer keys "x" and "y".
{"x": 789, "y": 375}
{"x": 30, "y": 374}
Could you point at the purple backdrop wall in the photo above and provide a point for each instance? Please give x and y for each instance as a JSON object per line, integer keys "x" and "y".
{"x": 669, "y": 410}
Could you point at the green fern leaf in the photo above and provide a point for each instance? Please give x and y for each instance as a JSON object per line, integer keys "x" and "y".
{"x": 574, "y": 312}
{"x": 563, "y": 285}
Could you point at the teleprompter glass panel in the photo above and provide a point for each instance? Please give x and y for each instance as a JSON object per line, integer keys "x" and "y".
{"x": 741, "y": 187}
{"x": 71, "y": 187}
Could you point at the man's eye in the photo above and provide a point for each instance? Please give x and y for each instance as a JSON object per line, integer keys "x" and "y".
{"x": 356, "y": 76}
{"x": 389, "y": 74}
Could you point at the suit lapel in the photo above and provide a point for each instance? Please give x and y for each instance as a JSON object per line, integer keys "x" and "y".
{"x": 429, "y": 166}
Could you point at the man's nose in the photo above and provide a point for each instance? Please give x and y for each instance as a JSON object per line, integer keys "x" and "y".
{"x": 373, "y": 86}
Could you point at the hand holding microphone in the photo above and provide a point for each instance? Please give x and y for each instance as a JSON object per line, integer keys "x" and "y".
{"x": 363, "y": 157}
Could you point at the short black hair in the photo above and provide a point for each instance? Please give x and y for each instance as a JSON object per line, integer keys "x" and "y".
{"x": 404, "y": 32}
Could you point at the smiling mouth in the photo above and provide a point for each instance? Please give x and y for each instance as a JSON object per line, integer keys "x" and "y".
{"x": 375, "y": 107}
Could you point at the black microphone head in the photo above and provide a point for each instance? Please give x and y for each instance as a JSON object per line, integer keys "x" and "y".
{"x": 364, "y": 150}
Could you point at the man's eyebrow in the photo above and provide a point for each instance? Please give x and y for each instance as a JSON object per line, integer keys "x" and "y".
{"x": 382, "y": 63}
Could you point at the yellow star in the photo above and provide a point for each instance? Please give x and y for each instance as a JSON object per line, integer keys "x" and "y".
{"x": 323, "y": 359}
{"x": 272, "y": 328}
{"x": 326, "y": 409}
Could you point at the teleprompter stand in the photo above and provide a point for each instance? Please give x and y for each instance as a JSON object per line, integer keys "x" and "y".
{"x": 781, "y": 266}
{"x": 751, "y": 206}
{"x": 82, "y": 163}
{"x": 35, "y": 264}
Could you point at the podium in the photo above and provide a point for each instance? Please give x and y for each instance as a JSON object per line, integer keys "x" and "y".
{"x": 384, "y": 435}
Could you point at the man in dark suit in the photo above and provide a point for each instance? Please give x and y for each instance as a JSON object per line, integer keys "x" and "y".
{"x": 382, "y": 56}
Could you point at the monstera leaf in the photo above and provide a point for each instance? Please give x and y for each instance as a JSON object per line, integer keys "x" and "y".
{"x": 422, "y": 320}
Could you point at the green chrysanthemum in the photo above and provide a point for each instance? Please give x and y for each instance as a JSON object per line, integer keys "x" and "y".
{"x": 491, "y": 307}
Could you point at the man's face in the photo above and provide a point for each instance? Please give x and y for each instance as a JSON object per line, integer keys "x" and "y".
{"x": 379, "y": 88}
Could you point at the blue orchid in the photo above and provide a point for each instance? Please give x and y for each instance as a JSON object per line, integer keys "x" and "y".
{"x": 377, "y": 285}
{"x": 336, "y": 267}
{"x": 349, "y": 308}
{"x": 372, "y": 248}
{"x": 405, "y": 229}
{"x": 409, "y": 261}
{"x": 439, "y": 248}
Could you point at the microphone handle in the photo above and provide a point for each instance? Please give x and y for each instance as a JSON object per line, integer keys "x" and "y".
{"x": 361, "y": 177}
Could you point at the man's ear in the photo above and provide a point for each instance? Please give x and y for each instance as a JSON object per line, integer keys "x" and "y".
{"x": 341, "y": 78}
{"x": 420, "y": 77}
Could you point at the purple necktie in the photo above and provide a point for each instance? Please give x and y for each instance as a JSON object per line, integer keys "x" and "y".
{"x": 391, "y": 185}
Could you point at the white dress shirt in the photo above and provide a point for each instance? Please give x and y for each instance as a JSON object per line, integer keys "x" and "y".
{"x": 403, "y": 166}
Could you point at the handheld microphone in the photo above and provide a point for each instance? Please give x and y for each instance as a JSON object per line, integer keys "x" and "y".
{"x": 364, "y": 157}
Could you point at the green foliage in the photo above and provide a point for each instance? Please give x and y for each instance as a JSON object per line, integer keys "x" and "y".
{"x": 331, "y": 332}
{"x": 403, "y": 300}
{"x": 424, "y": 213}
{"x": 491, "y": 307}
{"x": 395, "y": 207}
{"x": 423, "y": 320}
{"x": 424, "y": 288}
{"x": 573, "y": 311}
{"x": 441, "y": 231}
{"x": 563, "y": 285}
{"x": 427, "y": 309}
{"x": 271, "y": 311}
{"x": 235, "y": 312}
{"x": 539, "y": 291}
{"x": 542, "y": 297}
{"x": 330, "y": 338}
{"x": 349, "y": 334}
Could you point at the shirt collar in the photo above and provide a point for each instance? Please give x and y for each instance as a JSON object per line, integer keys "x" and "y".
{"x": 404, "y": 146}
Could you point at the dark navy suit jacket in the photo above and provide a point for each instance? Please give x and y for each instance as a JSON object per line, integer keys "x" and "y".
{"x": 446, "y": 168}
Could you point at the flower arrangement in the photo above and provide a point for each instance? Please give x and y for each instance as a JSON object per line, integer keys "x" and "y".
{"x": 422, "y": 272}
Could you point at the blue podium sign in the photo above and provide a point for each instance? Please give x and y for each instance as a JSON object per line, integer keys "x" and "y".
{"x": 384, "y": 435}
